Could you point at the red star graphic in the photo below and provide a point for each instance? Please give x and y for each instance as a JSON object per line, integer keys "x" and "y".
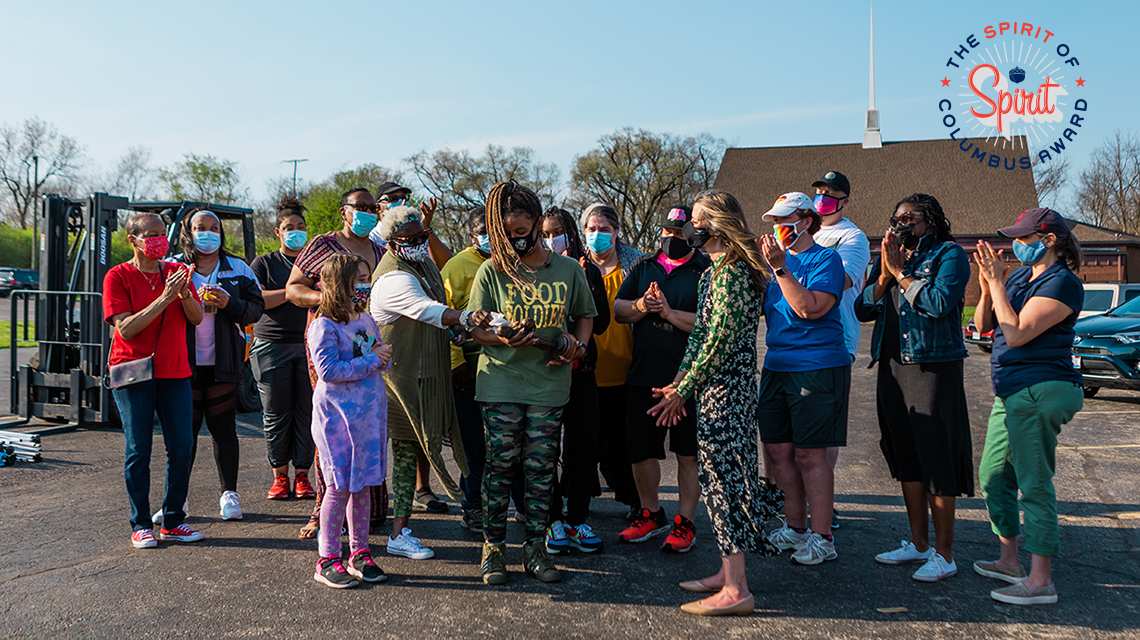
{"x": 946, "y": 81}
{"x": 1080, "y": 82}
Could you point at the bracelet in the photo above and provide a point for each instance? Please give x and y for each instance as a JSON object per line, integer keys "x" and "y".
{"x": 465, "y": 319}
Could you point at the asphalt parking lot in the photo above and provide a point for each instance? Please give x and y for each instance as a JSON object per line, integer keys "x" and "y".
{"x": 67, "y": 569}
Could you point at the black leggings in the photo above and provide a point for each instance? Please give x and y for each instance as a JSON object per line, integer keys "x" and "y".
{"x": 217, "y": 403}
{"x": 614, "y": 460}
{"x": 580, "y": 441}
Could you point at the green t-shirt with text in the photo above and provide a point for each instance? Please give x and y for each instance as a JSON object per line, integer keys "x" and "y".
{"x": 560, "y": 294}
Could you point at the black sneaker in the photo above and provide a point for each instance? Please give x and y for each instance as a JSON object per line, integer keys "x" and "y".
{"x": 493, "y": 565}
{"x": 473, "y": 520}
{"x": 362, "y": 566}
{"x": 430, "y": 502}
{"x": 331, "y": 573}
{"x": 538, "y": 563}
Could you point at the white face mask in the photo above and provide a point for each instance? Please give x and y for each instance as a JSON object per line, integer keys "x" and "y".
{"x": 557, "y": 244}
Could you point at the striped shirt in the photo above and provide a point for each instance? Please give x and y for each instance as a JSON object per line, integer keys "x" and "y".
{"x": 314, "y": 256}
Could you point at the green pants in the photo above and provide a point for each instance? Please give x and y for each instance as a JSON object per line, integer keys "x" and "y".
{"x": 1021, "y": 443}
{"x": 514, "y": 433}
{"x": 404, "y": 456}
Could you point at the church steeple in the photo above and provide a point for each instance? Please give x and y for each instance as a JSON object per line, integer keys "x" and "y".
{"x": 872, "y": 138}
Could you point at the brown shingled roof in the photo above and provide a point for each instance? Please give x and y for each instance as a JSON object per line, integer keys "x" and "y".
{"x": 976, "y": 198}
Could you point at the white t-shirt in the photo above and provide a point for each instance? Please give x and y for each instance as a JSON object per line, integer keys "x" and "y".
{"x": 205, "y": 334}
{"x": 847, "y": 239}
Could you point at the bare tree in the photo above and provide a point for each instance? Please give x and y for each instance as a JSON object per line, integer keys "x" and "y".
{"x": 640, "y": 173}
{"x": 59, "y": 157}
{"x": 461, "y": 181}
{"x": 265, "y": 212}
{"x": 133, "y": 176}
{"x": 1109, "y": 187}
{"x": 1051, "y": 178}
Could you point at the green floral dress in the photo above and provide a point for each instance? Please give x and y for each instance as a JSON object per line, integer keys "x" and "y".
{"x": 720, "y": 370}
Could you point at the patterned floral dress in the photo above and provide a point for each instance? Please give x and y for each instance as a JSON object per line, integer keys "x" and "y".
{"x": 720, "y": 366}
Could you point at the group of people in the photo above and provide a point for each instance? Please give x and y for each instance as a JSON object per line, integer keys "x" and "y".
{"x": 549, "y": 349}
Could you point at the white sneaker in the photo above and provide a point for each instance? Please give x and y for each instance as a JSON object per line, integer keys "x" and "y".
{"x": 157, "y": 517}
{"x": 935, "y": 569}
{"x": 815, "y": 550}
{"x": 230, "y": 505}
{"x": 905, "y": 554}
{"x": 408, "y": 546}
{"x": 786, "y": 538}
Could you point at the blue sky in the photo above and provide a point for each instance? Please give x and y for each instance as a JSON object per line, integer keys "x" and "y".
{"x": 343, "y": 83}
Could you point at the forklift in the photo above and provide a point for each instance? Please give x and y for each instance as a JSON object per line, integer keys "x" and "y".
{"x": 64, "y": 382}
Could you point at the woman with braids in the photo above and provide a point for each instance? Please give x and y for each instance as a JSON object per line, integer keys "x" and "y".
{"x": 232, "y": 299}
{"x": 602, "y": 226}
{"x": 408, "y": 302}
{"x": 1036, "y": 391}
{"x": 719, "y": 369}
{"x": 580, "y": 437}
{"x": 917, "y": 289}
{"x": 524, "y": 373}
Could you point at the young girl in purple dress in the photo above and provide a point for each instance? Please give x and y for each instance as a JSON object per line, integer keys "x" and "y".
{"x": 349, "y": 416}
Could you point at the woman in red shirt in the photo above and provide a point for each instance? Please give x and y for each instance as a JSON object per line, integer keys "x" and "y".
{"x": 149, "y": 301}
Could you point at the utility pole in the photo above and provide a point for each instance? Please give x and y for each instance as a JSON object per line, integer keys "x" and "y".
{"x": 295, "y": 162}
{"x": 35, "y": 166}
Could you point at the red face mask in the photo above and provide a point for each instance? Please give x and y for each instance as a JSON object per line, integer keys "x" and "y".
{"x": 155, "y": 247}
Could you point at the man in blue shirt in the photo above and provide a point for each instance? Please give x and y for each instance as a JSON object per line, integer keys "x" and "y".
{"x": 806, "y": 377}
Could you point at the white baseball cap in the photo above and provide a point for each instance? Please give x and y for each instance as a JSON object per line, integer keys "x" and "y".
{"x": 788, "y": 204}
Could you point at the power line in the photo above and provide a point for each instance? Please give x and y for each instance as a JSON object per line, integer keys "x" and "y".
{"x": 295, "y": 162}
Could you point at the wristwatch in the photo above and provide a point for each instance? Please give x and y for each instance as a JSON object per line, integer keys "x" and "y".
{"x": 779, "y": 271}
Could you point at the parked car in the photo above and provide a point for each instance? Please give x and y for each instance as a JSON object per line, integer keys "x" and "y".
{"x": 1106, "y": 349}
{"x": 12, "y": 279}
{"x": 1102, "y": 296}
{"x": 984, "y": 341}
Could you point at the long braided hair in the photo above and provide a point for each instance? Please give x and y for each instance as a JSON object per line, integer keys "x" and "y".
{"x": 726, "y": 217}
{"x": 504, "y": 198}
{"x": 574, "y": 244}
{"x": 931, "y": 211}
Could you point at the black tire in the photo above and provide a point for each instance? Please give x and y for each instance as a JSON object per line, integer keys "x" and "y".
{"x": 249, "y": 400}
{"x": 1090, "y": 391}
{"x": 986, "y": 348}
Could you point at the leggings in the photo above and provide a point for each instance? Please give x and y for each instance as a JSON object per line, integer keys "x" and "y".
{"x": 404, "y": 453}
{"x": 217, "y": 403}
{"x": 358, "y": 506}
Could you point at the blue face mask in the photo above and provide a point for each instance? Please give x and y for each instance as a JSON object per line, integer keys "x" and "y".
{"x": 1029, "y": 253}
{"x": 207, "y": 241}
{"x": 484, "y": 244}
{"x": 599, "y": 241}
{"x": 362, "y": 223}
{"x": 295, "y": 239}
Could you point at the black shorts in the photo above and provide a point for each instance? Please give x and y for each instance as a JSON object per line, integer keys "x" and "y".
{"x": 806, "y": 408}
{"x": 645, "y": 440}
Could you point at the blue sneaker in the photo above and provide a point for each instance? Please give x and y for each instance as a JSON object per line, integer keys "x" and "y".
{"x": 557, "y": 540}
{"x": 583, "y": 538}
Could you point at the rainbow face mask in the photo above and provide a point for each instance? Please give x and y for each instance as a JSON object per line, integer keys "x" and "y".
{"x": 786, "y": 234}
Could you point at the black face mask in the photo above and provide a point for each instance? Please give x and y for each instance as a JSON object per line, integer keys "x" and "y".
{"x": 523, "y": 245}
{"x": 675, "y": 248}
{"x": 905, "y": 234}
{"x": 699, "y": 237}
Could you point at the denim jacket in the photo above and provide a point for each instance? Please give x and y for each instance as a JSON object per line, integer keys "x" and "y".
{"x": 930, "y": 311}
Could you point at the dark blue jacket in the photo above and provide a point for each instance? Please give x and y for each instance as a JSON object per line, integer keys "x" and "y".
{"x": 930, "y": 312}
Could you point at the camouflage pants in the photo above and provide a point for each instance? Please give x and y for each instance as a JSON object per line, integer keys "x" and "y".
{"x": 404, "y": 454}
{"x": 514, "y": 433}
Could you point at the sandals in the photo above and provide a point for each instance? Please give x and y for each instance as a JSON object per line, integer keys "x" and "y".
{"x": 309, "y": 531}
{"x": 697, "y": 586}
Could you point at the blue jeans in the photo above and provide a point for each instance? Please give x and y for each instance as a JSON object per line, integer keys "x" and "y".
{"x": 138, "y": 404}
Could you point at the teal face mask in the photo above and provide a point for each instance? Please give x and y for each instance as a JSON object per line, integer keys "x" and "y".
{"x": 362, "y": 223}
{"x": 1030, "y": 253}
{"x": 484, "y": 244}
{"x": 599, "y": 241}
{"x": 207, "y": 242}
{"x": 295, "y": 239}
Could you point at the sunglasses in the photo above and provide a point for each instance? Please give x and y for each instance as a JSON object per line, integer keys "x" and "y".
{"x": 412, "y": 241}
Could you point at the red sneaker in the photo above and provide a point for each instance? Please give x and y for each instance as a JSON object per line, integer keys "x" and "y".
{"x": 646, "y": 525}
{"x": 682, "y": 537}
{"x": 181, "y": 533}
{"x": 279, "y": 490}
{"x": 301, "y": 487}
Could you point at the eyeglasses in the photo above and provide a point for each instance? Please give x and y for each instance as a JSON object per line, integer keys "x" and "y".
{"x": 905, "y": 220}
{"x": 412, "y": 241}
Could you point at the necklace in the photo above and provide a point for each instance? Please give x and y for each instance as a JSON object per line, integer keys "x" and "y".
{"x": 152, "y": 282}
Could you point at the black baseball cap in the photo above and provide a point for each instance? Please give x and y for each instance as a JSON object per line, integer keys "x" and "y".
{"x": 834, "y": 180}
{"x": 676, "y": 217}
{"x": 389, "y": 188}
{"x": 1037, "y": 220}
